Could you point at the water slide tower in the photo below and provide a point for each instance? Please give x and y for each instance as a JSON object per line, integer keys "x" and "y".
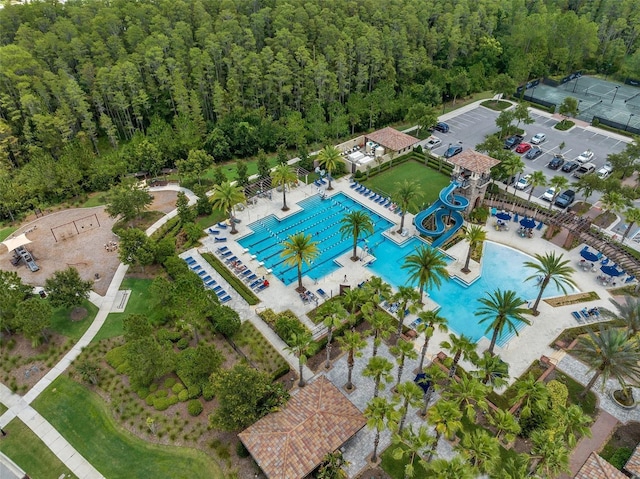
{"x": 472, "y": 171}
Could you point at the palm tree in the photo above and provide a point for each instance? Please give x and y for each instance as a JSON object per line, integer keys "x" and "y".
{"x": 404, "y": 297}
{"x": 328, "y": 158}
{"x": 587, "y": 185}
{"x": 550, "y": 451}
{"x": 403, "y": 350}
{"x": 378, "y": 288}
{"x": 426, "y": 266}
{"x": 298, "y": 249}
{"x": 355, "y": 224}
{"x": 506, "y": 425}
{"x": 559, "y": 183}
{"x": 631, "y": 216}
{"x": 514, "y": 467}
{"x": 574, "y": 422}
{"x": 468, "y": 392}
{"x": 381, "y": 325}
{"x": 513, "y": 165}
{"x": 379, "y": 369}
{"x": 352, "y": 299}
{"x": 429, "y": 321}
{"x": 611, "y": 353}
{"x": 537, "y": 178}
{"x": 456, "y": 468}
{"x": 446, "y": 419}
{"x": 614, "y": 201}
{"x": 531, "y": 394}
{"x": 411, "y": 444}
{"x": 225, "y": 196}
{"x": 503, "y": 310}
{"x": 299, "y": 347}
{"x": 475, "y": 235}
{"x": 284, "y": 175}
{"x": 482, "y": 449}
{"x": 492, "y": 370}
{"x": 551, "y": 268}
{"x": 409, "y": 394}
{"x": 433, "y": 376}
{"x": 380, "y": 413}
{"x": 406, "y": 194}
{"x": 351, "y": 341}
{"x": 460, "y": 347}
{"x": 333, "y": 315}
{"x": 628, "y": 315}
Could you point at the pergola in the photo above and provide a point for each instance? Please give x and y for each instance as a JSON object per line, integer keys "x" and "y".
{"x": 291, "y": 443}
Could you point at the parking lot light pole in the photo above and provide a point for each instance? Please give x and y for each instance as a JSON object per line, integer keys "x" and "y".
{"x": 614, "y": 94}
{"x": 575, "y": 85}
{"x": 628, "y": 121}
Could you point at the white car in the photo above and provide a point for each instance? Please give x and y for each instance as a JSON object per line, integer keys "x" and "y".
{"x": 548, "y": 195}
{"x": 524, "y": 183}
{"x": 605, "y": 171}
{"x": 432, "y": 142}
{"x": 538, "y": 138}
{"x": 585, "y": 157}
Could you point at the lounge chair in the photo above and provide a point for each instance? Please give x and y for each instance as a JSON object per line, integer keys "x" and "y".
{"x": 222, "y": 249}
{"x": 221, "y": 293}
{"x": 218, "y": 239}
{"x": 355, "y": 184}
{"x": 217, "y": 289}
{"x": 261, "y": 287}
{"x": 225, "y": 299}
{"x": 250, "y": 278}
{"x": 195, "y": 267}
{"x": 577, "y": 317}
{"x": 255, "y": 283}
{"x": 222, "y": 226}
{"x": 584, "y": 313}
{"x": 321, "y": 292}
{"x": 210, "y": 283}
{"x": 202, "y": 272}
{"x": 206, "y": 278}
{"x": 213, "y": 232}
{"x": 629, "y": 279}
{"x": 190, "y": 260}
{"x": 247, "y": 272}
{"x": 232, "y": 258}
{"x": 226, "y": 253}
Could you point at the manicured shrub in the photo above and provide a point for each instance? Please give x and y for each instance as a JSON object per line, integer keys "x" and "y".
{"x": 142, "y": 392}
{"x": 558, "y": 393}
{"x": 207, "y": 392}
{"x": 149, "y": 399}
{"x": 153, "y": 387}
{"x": 167, "y": 335}
{"x": 116, "y": 357}
{"x": 194, "y": 392}
{"x": 194, "y": 407}
{"x": 177, "y": 387}
{"x": 173, "y": 400}
{"x": 183, "y": 343}
{"x": 161, "y": 404}
{"x": 169, "y": 383}
{"x": 162, "y": 393}
{"x": 183, "y": 395}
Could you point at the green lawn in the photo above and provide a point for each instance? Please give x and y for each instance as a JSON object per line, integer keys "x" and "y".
{"x": 138, "y": 303}
{"x": 431, "y": 182}
{"x": 62, "y": 324}
{"x": 96, "y": 199}
{"x": 3, "y": 408}
{"x": 5, "y": 232}
{"x": 230, "y": 170}
{"x": 30, "y": 453}
{"x": 83, "y": 419}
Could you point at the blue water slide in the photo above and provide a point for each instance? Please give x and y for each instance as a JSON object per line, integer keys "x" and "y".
{"x": 447, "y": 204}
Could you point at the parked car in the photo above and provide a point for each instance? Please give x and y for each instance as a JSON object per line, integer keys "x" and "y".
{"x": 556, "y": 162}
{"x": 538, "y": 138}
{"x": 513, "y": 141}
{"x": 549, "y": 194}
{"x": 533, "y": 153}
{"x": 584, "y": 170}
{"x": 523, "y": 148}
{"x": 432, "y": 142}
{"x": 585, "y": 157}
{"x": 453, "y": 150}
{"x": 605, "y": 171}
{"x": 565, "y": 199}
{"x": 570, "y": 166}
{"x": 524, "y": 183}
{"x": 441, "y": 126}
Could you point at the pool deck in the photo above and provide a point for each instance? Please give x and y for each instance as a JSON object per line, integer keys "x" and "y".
{"x": 532, "y": 342}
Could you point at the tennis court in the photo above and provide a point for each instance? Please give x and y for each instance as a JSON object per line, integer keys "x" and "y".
{"x": 613, "y": 104}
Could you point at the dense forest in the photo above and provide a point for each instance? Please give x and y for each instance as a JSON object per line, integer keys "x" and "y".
{"x": 91, "y": 90}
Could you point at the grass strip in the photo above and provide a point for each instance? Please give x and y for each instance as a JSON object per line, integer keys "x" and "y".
{"x": 62, "y": 324}
{"x": 232, "y": 279}
{"x": 5, "y": 232}
{"x": 31, "y": 454}
{"x": 84, "y": 420}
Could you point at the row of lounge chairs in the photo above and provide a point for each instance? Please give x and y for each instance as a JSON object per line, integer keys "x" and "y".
{"x": 372, "y": 195}
{"x": 308, "y": 297}
{"x": 241, "y": 270}
{"x": 320, "y": 182}
{"x": 208, "y": 281}
{"x": 586, "y": 315}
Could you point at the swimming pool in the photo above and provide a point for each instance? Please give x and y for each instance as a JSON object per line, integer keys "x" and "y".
{"x": 502, "y": 268}
{"x": 320, "y": 218}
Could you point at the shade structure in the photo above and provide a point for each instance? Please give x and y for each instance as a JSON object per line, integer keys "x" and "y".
{"x": 503, "y": 215}
{"x": 13, "y": 243}
{"x": 588, "y": 255}
{"x": 611, "y": 270}
{"x": 527, "y": 223}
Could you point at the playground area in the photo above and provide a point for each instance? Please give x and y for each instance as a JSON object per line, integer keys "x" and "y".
{"x": 614, "y": 104}
{"x": 78, "y": 237}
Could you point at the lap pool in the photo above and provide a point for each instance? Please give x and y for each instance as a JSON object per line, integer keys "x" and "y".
{"x": 502, "y": 267}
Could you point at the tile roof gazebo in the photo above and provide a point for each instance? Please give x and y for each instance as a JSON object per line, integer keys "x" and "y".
{"x": 472, "y": 170}
{"x": 291, "y": 443}
{"x": 392, "y": 139}
{"x": 597, "y": 468}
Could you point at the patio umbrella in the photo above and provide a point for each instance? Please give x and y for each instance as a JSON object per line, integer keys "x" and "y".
{"x": 503, "y": 215}
{"x": 611, "y": 270}
{"x": 13, "y": 243}
{"x": 527, "y": 223}
{"x": 589, "y": 256}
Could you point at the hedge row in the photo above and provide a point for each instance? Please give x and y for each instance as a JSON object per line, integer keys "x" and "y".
{"x": 235, "y": 282}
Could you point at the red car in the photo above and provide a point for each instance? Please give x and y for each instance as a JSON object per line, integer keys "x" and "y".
{"x": 523, "y": 148}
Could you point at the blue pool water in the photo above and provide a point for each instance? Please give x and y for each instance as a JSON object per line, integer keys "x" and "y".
{"x": 502, "y": 267}
{"x": 321, "y": 219}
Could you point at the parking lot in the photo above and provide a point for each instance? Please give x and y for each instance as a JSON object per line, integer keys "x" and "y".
{"x": 471, "y": 127}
